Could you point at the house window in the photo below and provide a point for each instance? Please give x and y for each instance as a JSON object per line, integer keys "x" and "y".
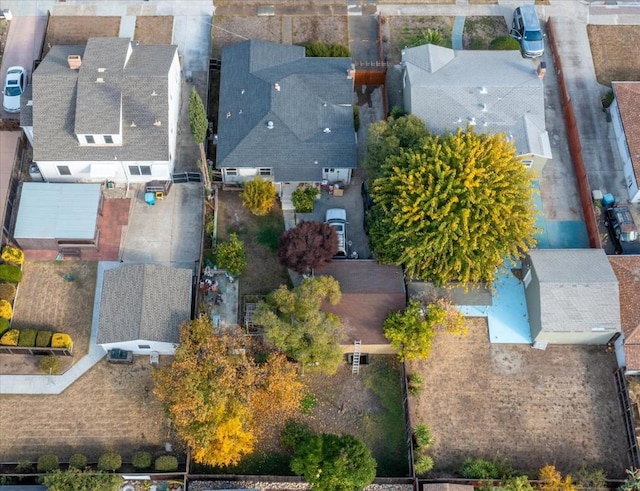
{"x": 64, "y": 170}
{"x": 140, "y": 170}
{"x": 108, "y": 139}
{"x": 144, "y": 346}
{"x": 264, "y": 171}
{"x": 328, "y": 170}
{"x": 90, "y": 139}
{"x": 527, "y": 163}
{"x": 231, "y": 171}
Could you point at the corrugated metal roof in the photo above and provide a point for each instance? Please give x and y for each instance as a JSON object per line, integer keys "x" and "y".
{"x": 58, "y": 211}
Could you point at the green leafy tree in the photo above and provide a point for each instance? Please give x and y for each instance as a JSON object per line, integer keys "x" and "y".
{"x": 219, "y": 398}
{"x": 516, "y": 483}
{"x": 334, "y": 463}
{"x": 632, "y": 483}
{"x": 412, "y": 331}
{"x": 198, "y": 124}
{"x": 294, "y": 323}
{"x": 231, "y": 256}
{"x": 454, "y": 209}
{"x": 259, "y": 196}
{"x": 77, "y": 480}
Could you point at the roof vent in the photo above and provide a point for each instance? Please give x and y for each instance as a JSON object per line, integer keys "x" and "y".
{"x": 157, "y": 122}
{"x": 484, "y": 108}
{"x": 74, "y": 61}
{"x": 472, "y": 121}
{"x": 327, "y": 130}
{"x": 154, "y": 93}
{"x": 228, "y": 114}
{"x": 102, "y": 70}
{"x": 29, "y": 103}
{"x": 324, "y": 104}
{"x": 133, "y": 124}
{"x": 99, "y": 80}
{"x": 242, "y": 92}
{"x": 483, "y": 90}
{"x": 277, "y": 87}
{"x": 270, "y": 125}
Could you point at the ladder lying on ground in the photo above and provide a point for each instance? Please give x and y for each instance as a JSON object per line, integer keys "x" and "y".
{"x": 355, "y": 367}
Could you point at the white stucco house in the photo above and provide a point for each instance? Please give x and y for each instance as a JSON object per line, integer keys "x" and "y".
{"x": 493, "y": 91}
{"x": 142, "y": 307}
{"x": 104, "y": 111}
{"x": 626, "y": 127}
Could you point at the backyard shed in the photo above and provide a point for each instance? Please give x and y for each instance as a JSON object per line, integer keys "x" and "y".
{"x": 54, "y": 215}
{"x": 572, "y": 296}
{"x": 370, "y": 291}
{"x": 142, "y": 307}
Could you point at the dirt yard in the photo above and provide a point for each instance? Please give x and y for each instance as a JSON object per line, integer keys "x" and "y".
{"x": 111, "y": 407}
{"x": 610, "y": 48}
{"x": 326, "y": 29}
{"x": 153, "y": 29}
{"x": 529, "y": 406}
{"x": 77, "y": 29}
{"x": 480, "y": 31}
{"x": 48, "y": 301}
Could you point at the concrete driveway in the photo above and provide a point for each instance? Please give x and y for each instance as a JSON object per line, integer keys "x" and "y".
{"x": 23, "y": 47}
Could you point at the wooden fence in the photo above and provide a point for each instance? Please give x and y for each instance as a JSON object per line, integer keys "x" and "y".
{"x": 23, "y": 350}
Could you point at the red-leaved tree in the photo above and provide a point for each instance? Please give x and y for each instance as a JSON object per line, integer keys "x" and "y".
{"x": 307, "y": 246}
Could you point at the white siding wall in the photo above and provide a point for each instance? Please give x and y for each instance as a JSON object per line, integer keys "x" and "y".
{"x": 174, "y": 109}
{"x": 134, "y": 346}
{"x": 630, "y": 177}
{"x": 81, "y": 171}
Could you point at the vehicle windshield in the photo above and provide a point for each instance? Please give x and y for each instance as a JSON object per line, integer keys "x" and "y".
{"x": 12, "y": 90}
{"x": 532, "y": 35}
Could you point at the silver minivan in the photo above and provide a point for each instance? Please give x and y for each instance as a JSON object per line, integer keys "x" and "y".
{"x": 526, "y": 29}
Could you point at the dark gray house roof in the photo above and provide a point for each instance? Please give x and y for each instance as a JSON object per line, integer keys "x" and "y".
{"x": 144, "y": 301}
{"x": 577, "y": 288}
{"x": 307, "y": 100}
{"x": 120, "y": 86}
{"x": 450, "y": 89}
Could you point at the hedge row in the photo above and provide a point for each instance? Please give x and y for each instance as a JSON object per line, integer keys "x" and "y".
{"x": 109, "y": 461}
{"x": 7, "y": 292}
{"x": 12, "y": 255}
{"x": 10, "y": 273}
{"x": 29, "y": 338}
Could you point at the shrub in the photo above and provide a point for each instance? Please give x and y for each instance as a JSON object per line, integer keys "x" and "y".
{"x": 48, "y": 463}
{"x": 50, "y": 364}
{"x": 7, "y": 292}
{"x": 166, "y": 463}
{"x": 479, "y": 469}
{"x": 6, "y": 311}
{"x": 304, "y": 197}
{"x": 78, "y": 461}
{"x": 141, "y": 460}
{"x": 397, "y": 112}
{"x": 325, "y": 50}
{"x": 259, "y": 196}
{"x": 24, "y": 466}
{"x": 293, "y": 433}
{"x": 231, "y": 255}
{"x": 414, "y": 384}
{"x": 423, "y": 464}
{"x": 422, "y": 435}
{"x": 61, "y": 340}
{"x": 307, "y": 403}
{"x": 4, "y": 326}
{"x": 504, "y": 43}
{"x": 10, "y": 273}
{"x": 12, "y": 255}
{"x": 27, "y": 338}
{"x": 10, "y": 338}
{"x": 109, "y": 461}
{"x": 43, "y": 339}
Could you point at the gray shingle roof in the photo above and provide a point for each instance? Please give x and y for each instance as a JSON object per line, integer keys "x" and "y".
{"x": 262, "y": 82}
{"x": 578, "y": 290}
{"x": 144, "y": 302}
{"x": 66, "y": 102}
{"x": 498, "y": 90}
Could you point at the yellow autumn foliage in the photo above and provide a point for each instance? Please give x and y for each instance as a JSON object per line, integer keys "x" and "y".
{"x": 6, "y": 311}
{"x": 10, "y": 338}
{"x": 61, "y": 340}
{"x": 12, "y": 255}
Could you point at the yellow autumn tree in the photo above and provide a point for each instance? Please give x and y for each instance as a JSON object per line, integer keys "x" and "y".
{"x": 214, "y": 389}
{"x": 552, "y": 480}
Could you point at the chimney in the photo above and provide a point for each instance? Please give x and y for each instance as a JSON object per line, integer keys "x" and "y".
{"x": 74, "y": 61}
{"x": 542, "y": 69}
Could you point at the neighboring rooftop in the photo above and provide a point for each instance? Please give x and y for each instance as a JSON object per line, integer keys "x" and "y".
{"x": 281, "y": 110}
{"x": 627, "y": 270}
{"x": 119, "y": 87}
{"x": 628, "y": 97}
{"x": 452, "y": 89}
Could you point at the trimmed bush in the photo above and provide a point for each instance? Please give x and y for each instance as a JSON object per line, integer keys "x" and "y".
{"x": 141, "y": 460}
{"x": 50, "y": 364}
{"x": 4, "y": 326}
{"x": 27, "y": 338}
{"x": 479, "y": 469}
{"x": 423, "y": 464}
{"x": 61, "y": 340}
{"x": 7, "y": 292}
{"x": 422, "y": 435}
{"x": 10, "y": 273}
{"x": 166, "y": 463}
{"x": 48, "y": 463}
{"x": 109, "y": 461}
{"x": 78, "y": 461}
{"x": 6, "y": 311}
{"x": 12, "y": 255}
{"x": 10, "y": 338}
{"x": 43, "y": 339}
{"x": 304, "y": 197}
{"x": 503, "y": 43}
